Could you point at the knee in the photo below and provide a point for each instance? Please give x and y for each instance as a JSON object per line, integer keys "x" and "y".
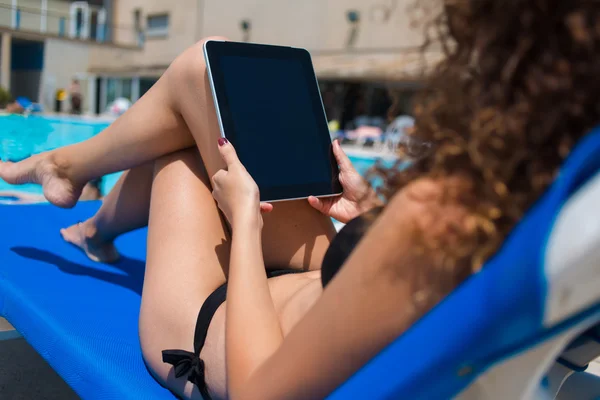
{"x": 191, "y": 65}
{"x": 197, "y": 50}
{"x": 215, "y": 38}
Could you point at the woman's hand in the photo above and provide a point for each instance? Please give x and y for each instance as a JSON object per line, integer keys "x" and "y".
{"x": 235, "y": 191}
{"x": 358, "y": 196}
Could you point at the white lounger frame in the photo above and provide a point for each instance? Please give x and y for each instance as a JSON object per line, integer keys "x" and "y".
{"x": 572, "y": 267}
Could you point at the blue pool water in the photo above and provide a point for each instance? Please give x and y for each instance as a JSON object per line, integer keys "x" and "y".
{"x": 21, "y": 137}
{"x": 362, "y": 164}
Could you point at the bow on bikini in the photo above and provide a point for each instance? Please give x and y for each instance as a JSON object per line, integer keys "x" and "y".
{"x": 185, "y": 363}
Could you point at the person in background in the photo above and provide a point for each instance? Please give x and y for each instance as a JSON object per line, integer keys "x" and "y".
{"x": 23, "y": 105}
{"x": 76, "y": 97}
{"x": 15, "y": 108}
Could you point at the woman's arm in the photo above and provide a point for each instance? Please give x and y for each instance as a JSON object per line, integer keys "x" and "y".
{"x": 365, "y": 307}
{"x": 376, "y": 296}
{"x": 253, "y": 332}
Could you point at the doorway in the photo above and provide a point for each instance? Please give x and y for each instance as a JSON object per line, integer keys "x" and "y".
{"x": 27, "y": 63}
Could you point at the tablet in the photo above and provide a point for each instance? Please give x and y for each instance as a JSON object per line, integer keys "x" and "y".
{"x": 269, "y": 107}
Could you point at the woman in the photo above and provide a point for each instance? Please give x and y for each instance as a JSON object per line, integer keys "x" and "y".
{"x": 516, "y": 92}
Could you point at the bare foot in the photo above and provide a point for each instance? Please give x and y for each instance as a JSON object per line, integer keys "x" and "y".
{"x": 83, "y": 235}
{"x": 44, "y": 169}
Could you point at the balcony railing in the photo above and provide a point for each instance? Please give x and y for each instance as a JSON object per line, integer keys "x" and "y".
{"x": 79, "y": 21}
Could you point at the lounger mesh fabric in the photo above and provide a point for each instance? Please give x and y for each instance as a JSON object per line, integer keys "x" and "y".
{"x": 82, "y": 316}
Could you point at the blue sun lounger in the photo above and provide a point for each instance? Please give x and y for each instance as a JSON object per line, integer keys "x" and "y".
{"x": 78, "y": 315}
{"x": 498, "y": 336}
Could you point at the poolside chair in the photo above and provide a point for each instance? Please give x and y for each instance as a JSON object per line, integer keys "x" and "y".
{"x": 500, "y": 335}
{"x": 396, "y": 132}
{"x": 29, "y": 106}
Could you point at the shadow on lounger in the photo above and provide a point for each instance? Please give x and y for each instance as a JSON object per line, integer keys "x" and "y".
{"x": 134, "y": 269}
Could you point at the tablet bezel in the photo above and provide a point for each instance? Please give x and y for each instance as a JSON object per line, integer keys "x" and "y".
{"x": 213, "y": 50}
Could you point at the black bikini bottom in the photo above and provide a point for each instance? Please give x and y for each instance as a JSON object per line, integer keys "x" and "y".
{"x": 189, "y": 364}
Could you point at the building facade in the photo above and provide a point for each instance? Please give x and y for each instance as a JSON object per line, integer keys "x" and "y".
{"x": 47, "y": 44}
{"x": 362, "y": 49}
{"x": 163, "y": 29}
{"x": 367, "y": 53}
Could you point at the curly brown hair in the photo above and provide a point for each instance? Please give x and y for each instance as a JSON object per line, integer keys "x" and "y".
{"x": 517, "y": 89}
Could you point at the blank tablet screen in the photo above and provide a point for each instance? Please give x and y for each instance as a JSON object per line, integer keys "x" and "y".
{"x": 271, "y": 111}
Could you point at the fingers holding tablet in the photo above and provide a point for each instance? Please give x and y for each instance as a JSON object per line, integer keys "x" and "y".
{"x": 228, "y": 152}
{"x": 341, "y": 157}
{"x": 235, "y": 191}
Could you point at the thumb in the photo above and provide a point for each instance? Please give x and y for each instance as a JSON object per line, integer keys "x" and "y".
{"x": 228, "y": 152}
{"x": 318, "y": 204}
{"x": 341, "y": 157}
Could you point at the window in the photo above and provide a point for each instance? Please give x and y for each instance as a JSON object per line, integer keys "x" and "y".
{"x": 157, "y": 25}
{"x": 137, "y": 19}
{"x": 137, "y": 26}
{"x": 111, "y": 90}
{"x": 126, "y": 88}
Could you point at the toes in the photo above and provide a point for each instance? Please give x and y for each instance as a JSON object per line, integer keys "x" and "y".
{"x": 16, "y": 173}
{"x": 7, "y": 172}
{"x": 68, "y": 236}
{"x": 106, "y": 253}
{"x": 65, "y": 235}
{"x": 59, "y": 191}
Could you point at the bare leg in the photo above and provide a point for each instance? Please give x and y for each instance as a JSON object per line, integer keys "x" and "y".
{"x": 188, "y": 257}
{"x": 188, "y": 252}
{"x": 156, "y": 125}
{"x": 124, "y": 209}
{"x": 127, "y": 205}
{"x": 176, "y": 113}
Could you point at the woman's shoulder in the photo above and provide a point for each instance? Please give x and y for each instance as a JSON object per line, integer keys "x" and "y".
{"x": 432, "y": 218}
{"x": 432, "y": 200}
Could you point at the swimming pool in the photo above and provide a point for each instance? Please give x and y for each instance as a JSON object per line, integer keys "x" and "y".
{"x": 21, "y": 137}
